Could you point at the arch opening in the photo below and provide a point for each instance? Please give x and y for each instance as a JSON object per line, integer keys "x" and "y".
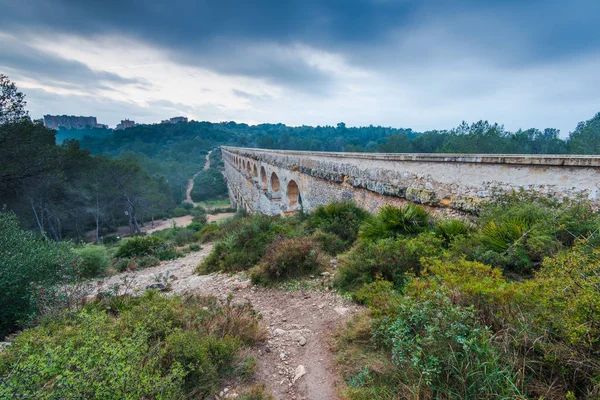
{"x": 255, "y": 172}
{"x": 293, "y": 193}
{"x": 263, "y": 176}
{"x": 249, "y": 168}
{"x": 275, "y": 185}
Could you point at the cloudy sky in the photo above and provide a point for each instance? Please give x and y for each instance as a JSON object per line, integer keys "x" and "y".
{"x": 424, "y": 64}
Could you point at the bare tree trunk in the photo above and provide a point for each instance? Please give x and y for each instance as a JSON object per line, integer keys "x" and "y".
{"x": 133, "y": 224}
{"x": 37, "y": 219}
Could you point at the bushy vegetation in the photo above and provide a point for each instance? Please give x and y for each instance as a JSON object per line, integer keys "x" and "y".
{"x": 92, "y": 259}
{"x": 444, "y": 321}
{"x": 391, "y": 259}
{"x": 29, "y": 265}
{"x": 139, "y": 246}
{"x": 342, "y": 219}
{"x": 151, "y": 346}
{"x": 391, "y": 222}
{"x": 288, "y": 258}
{"x": 244, "y": 241}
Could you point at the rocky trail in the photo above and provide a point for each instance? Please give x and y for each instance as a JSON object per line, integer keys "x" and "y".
{"x": 295, "y": 362}
{"x": 188, "y": 192}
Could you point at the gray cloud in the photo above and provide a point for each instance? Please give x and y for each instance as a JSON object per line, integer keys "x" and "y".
{"x": 434, "y": 62}
{"x": 26, "y": 61}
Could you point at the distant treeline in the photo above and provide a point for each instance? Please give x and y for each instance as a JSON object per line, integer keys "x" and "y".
{"x": 183, "y": 142}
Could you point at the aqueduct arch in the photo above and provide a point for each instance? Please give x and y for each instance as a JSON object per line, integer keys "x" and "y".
{"x": 263, "y": 176}
{"x": 293, "y": 193}
{"x": 275, "y": 185}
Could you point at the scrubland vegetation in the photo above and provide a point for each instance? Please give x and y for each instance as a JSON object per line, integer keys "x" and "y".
{"x": 505, "y": 304}
{"x": 134, "y": 347}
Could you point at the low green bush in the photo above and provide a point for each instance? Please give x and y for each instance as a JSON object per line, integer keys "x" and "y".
{"x": 184, "y": 236}
{"x": 147, "y": 347}
{"x": 450, "y": 229}
{"x": 391, "y": 222}
{"x": 92, "y": 260}
{"x": 389, "y": 259}
{"x": 208, "y": 233}
{"x": 288, "y": 258}
{"x": 125, "y": 264}
{"x": 138, "y": 246}
{"x": 330, "y": 243}
{"x": 245, "y": 241}
{"x": 442, "y": 349}
{"x": 195, "y": 226}
{"x": 180, "y": 212}
{"x": 199, "y": 215}
{"x": 342, "y": 219}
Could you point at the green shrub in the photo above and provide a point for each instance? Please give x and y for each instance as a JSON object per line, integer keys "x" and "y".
{"x": 147, "y": 347}
{"x": 196, "y": 227}
{"x": 139, "y": 246}
{"x": 194, "y": 247}
{"x": 288, "y": 258}
{"x": 208, "y": 233}
{"x": 532, "y": 227}
{"x": 342, "y": 219}
{"x": 330, "y": 243}
{"x": 389, "y": 259}
{"x": 380, "y": 296}
{"x": 184, "y": 236}
{"x": 199, "y": 215}
{"x": 125, "y": 264}
{"x": 450, "y": 229}
{"x": 92, "y": 259}
{"x": 246, "y": 241}
{"x": 166, "y": 252}
{"x": 442, "y": 349}
{"x": 28, "y": 266}
{"x": 391, "y": 222}
{"x": 186, "y": 206}
{"x": 179, "y": 212}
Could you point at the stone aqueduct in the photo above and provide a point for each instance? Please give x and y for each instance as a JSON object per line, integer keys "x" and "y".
{"x": 282, "y": 182}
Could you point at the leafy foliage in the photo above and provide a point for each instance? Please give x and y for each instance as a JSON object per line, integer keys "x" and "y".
{"x": 28, "y": 264}
{"x": 92, "y": 259}
{"x": 392, "y": 221}
{"x": 340, "y": 218}
{"x": 245, "y": 242}
{"x": 147, "y": 347}
{"x": 288, "y": 258}
{"x": 389, "y": 259}
{"x": 444, "y": 351}
{"x": 139, "y": 246}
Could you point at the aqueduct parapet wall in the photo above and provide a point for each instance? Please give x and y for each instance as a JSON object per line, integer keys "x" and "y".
{"x": 281, "y": 182}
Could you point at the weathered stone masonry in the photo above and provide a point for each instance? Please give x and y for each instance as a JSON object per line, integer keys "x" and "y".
{"x": 281, "y": 182}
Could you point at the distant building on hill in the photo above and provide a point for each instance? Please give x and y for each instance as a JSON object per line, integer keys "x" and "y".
{"x": 71, "y": 122}
{"x": 125, "y": 124}
{"x": 174, "y": 120}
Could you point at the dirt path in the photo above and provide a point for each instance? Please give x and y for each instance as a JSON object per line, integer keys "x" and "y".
{"x": 188, "y": 192}
{"x": 299, "y": 322}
